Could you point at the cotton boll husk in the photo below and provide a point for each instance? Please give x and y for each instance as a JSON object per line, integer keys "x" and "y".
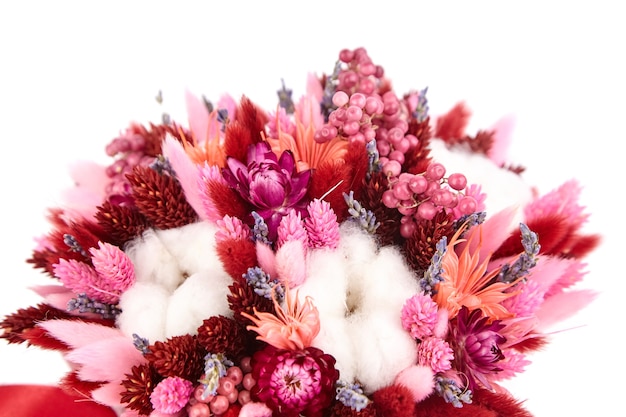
{"x": 382, "y": 348}
{"x": 153, "y": 261}
{"x": 193, "y": 247}
{"x": 144, "y": 306}
{"x": 503, "y": 187}
{"x": 418, "y": 379}
{"x": 201, "y": 296}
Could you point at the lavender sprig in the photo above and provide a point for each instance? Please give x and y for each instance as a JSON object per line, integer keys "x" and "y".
{"x": 285, "y": 99}
{"x": 84, "y": 304}
{"x": 73, "y": 244}
{"x": 526, "y": 261}
{"x": 421, "y": 111}
{"x": 215, "y": 366}
{"x": 432, "y": 275}
{"x": 451, "y": 393}
{"x": 351, "y": 395}
{"x": 141, "y": 343}
{"x": 263, "y": 285}
{"x": 260, "y": 231}
{"x": 365, "y": 218}
{"x": 373, "y": 157}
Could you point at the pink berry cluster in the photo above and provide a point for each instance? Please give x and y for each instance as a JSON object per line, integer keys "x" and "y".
{"x": 129, "y": 150}
{"x": 421, "y": 196}
{"x": 234, "y": 387}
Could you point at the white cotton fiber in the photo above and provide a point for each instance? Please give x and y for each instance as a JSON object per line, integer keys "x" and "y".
{"x": 144, "y": 306}
{"x": 382, "y": 348}
{"x": 504, "y": 188}
{"x": 201, "y": 296}
{"x": 193, "y": 247}
{"x": 153, "y": 261}
{"x": 359, "y": 292}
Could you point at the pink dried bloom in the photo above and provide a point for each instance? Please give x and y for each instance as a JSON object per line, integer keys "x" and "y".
{"x": 573, "y": 274}
{"x": 171, "y": 395}
{"x": 528, "y": 298}
{"x": 419, "y": 316}
{"x": 436, "y": 353}
{"x": 115, "y": 269}
{"x": 561, "y": 201}
{"x": 231, "y": 228}
{"x": 514, "y": 362}
{"x": 280, "y": 122}
{"x": 291, "y": 227}
{"x": 322, "y": 225}
{"x": 79, "y": 278}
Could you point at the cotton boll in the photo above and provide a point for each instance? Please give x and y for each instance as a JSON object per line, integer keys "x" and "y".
{"x": 201, "y": 296}
{"x": 193, "y": 247}
{"x": 144, "y": 306}
{"x": 153, "y": 261}
{"x": 357, "y": 246}
{"x": 335, "y": 338}
{"x": 326, "y": 282}
{"x": 382, "y": 348}
{"x": 504, "y": 188}
{"x": 387, "y": 282}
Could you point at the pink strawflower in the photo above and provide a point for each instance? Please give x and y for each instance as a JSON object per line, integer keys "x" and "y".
{"x": 291, "y": 227}
{"x": 231, "y": 228}
{"x": 322, "y": 225}
{"x": 436, "y": 353}
{"x": 294, "y": 382}
{"x": 115, "y": 269}
{"x": 419, "y": 316}
{"x": 171, "y": 395}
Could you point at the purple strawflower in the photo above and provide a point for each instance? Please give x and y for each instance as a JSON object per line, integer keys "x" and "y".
{"x": 272, "y": 185}
{"x": 475, "y": 342}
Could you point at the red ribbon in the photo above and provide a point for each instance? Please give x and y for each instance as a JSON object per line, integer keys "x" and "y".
{"x": 47, "y": 401}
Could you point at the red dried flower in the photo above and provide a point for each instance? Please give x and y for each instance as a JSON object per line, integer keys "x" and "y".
{"x": 421, "y": 246}
{"x": 294, "y": 383}
{"x": 160, "y": 198}
{"x": 220, "y": 334}
{"x": 340, "y": 410}
{"x": 16, "y": 326}
{"x": 121, "y": 223}
{"x": 180, "y": 356}
{"x": 243, "y": 299}
{"x": 394, "y": 401}
{"x": 138, "y": 385}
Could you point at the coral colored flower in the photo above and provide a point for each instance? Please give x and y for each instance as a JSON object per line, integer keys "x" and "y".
{"x": 466, "y": 281}
{"x": 308, "y": 153}
{"x": 272, "y": 185}
{"x": 419, "y": 316}
{"x": 436, "y": 353}
{"x": 476, "y": 344}
{"x": 294, "y": 382}
{"x": 171, "y": 395}
{"x": 294, "y": 327}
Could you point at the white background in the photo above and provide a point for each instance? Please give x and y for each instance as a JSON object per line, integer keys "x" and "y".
{"x": 72, "y": 75}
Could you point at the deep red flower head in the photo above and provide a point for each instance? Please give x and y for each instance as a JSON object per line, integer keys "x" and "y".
{"x": 294, "y": 382}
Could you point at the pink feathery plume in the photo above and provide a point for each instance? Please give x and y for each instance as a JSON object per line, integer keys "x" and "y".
{"x": 503, "y": 129}
{"x": 198, "y": 116}
{"x": 56, "y": 296}
{"x": 497, "y": 228}
{"x": 208, "y": 175}
{"x": 82, "y": 200}
{"x": 562, "y": 306}
{"x": 291, "y": 263}
{"x": 106, "y": 359}
{"x": 187, "y": 173}
{"x": 560, "y": 201}
{"x": 266, "y": 258}
{"x": 77, "y": 334}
